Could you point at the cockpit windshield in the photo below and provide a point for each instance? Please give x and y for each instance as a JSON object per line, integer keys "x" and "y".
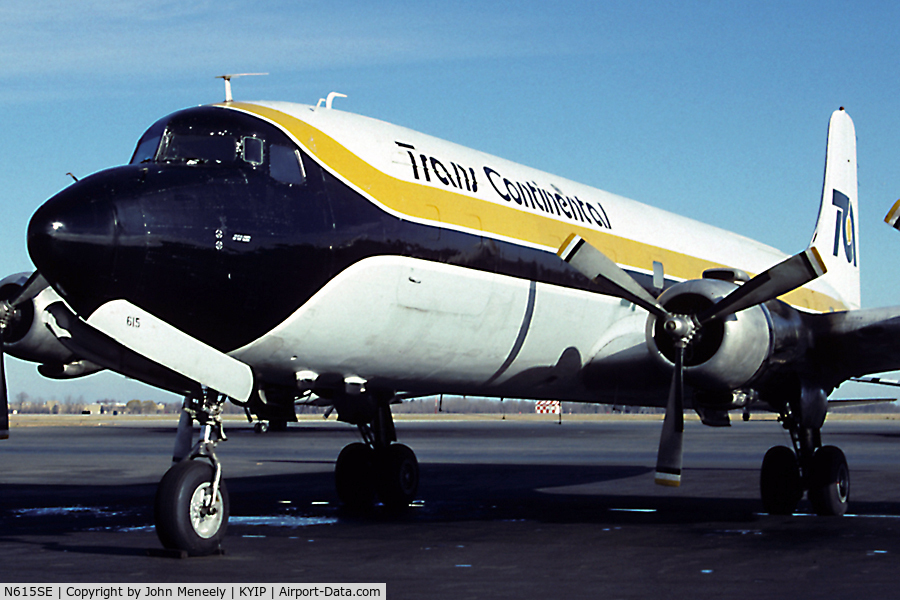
{"x": 210, "y": 136}
{"x": 196, "y": 149}
{"x": 149, "y": 143}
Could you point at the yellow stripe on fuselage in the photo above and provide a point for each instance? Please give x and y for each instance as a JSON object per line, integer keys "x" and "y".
{"x": 422, "y": 203}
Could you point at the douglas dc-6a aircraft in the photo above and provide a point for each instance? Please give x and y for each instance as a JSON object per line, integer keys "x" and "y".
{"x": 273, "y": 253}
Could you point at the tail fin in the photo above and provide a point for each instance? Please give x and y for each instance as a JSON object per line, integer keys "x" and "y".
{"x": 836, "y": 236}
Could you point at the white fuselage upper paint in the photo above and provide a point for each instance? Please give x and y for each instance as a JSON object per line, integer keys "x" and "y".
{"x": 375, "y": 142}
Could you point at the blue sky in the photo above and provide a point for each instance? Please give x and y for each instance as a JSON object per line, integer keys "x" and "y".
{"x": 716, "y": 110}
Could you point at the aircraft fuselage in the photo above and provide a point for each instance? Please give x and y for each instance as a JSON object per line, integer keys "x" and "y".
{"x": 341, "y": 245}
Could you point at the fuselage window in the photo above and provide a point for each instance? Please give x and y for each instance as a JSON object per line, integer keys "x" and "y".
{"x": 252, "y": 150}
{"x": 285, "y": 165}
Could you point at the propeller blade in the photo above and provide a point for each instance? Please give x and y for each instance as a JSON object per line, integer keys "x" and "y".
{"x": 8, "y": 310}
{"x": 893, "y": 216}
{"x": 5, "y": 310}
{"x": 668, "y": 459}
{"x": 32, "y": 288}
{"x": 597, "y": 267}
{"x": 787, "y": 275}
{"x": 4, "y": 400}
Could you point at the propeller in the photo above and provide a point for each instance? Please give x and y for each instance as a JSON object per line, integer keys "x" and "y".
{"x": 9, "y": 312}
{"x": 787, "y": 275}
{"x": 4, "y": 401}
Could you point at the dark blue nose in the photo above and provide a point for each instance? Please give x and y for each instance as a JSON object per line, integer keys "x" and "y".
{"x": 72, "y": 242}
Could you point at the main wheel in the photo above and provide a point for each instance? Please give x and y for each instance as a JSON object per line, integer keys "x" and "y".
{"x": 354, "y": 477}
{"x": 779, "y": 481}
{"x": 829, "y": 486}
{"x": 398, "y": 478}
{"x": 278, "y": 425}
{"x": 183, "y": 521}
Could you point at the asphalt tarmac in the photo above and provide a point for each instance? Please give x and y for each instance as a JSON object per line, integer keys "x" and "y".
{"x": 507, "y": 509}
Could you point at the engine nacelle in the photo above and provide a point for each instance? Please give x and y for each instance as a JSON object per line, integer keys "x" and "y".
{"x": 725, "y": 354}
{"x": 28, "y": 337}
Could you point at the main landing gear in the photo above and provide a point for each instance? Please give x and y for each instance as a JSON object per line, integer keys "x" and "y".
{"x": 191, "y": 507}
{"x": 820, "y": 471}
{"x": 377, "y": 466}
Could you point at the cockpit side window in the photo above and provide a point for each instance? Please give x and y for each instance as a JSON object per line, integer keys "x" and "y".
{"x": 252, "y": 150}
{"x": 285, "y": 165}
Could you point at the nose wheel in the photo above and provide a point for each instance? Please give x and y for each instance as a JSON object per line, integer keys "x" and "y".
{"x": 191, "y": 508}
{"x": 187, "y": 517}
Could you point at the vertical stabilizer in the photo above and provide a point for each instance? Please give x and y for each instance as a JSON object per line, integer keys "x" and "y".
{"x": 836, "y": 237}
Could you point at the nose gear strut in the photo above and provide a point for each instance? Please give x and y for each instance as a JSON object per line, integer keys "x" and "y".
{"x": 192, "y": 507}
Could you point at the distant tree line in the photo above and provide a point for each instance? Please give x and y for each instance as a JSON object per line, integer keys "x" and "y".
{"x": 22, "y": 403}
{"x": 25, "y": 404}
{"x": 467, "y": 405}
{"x": 875, "y": 408}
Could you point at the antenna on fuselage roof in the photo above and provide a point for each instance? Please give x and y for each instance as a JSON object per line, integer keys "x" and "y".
{"x": 330, "y": 99}
{"x": 228, "y": 78}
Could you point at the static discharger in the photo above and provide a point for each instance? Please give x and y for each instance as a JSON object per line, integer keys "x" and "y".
{"x": 228, "y": 78}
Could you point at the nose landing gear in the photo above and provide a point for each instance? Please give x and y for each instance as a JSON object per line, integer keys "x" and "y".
{"x": 191, "y": 508}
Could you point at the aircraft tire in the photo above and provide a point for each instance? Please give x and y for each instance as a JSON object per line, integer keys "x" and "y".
{"x": 178, "y": 509}
{"x": 354, "y": 478}
{"x": 278, "y": 425}
{"x": 829, "y": 490}
{"x": 779, "y": 481}
{"x": 398, "y": 480}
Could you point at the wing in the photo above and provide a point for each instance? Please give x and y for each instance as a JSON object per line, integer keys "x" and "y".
{"x": 857, "y": 342}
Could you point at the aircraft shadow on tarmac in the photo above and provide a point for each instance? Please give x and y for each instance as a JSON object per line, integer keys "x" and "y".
{"x": 449, "y": 493}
